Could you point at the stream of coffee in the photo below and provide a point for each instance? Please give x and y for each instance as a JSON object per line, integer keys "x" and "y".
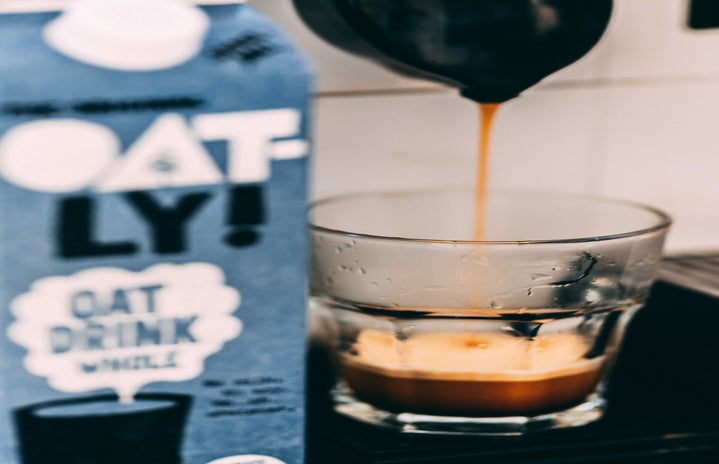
{"x": 487, "y": 113}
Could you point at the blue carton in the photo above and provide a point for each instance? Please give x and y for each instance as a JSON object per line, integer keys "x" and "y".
{"x": 153, "y": 161}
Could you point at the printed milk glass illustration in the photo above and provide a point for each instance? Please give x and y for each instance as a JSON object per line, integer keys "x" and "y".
{"x": 112, "y": 328}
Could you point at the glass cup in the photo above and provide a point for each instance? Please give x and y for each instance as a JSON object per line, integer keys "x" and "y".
{"x": 430, "y": 330}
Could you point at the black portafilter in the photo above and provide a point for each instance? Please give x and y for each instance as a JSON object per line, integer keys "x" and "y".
{"x": 492, "y": 50}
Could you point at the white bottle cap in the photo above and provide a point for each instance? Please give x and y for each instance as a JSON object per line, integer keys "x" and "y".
{"x": 129, "y": 35}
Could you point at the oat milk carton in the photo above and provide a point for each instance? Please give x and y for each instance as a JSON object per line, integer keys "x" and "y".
{"x": 152, "y": 244}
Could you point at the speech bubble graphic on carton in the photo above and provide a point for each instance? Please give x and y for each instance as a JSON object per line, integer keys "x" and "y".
{"x": 113, "y": 328}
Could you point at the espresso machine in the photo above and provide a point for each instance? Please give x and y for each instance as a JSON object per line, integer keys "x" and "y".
{"x": 492, "y": 51}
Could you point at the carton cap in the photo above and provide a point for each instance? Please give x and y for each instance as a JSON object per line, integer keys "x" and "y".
{"x": 129, "y": 35}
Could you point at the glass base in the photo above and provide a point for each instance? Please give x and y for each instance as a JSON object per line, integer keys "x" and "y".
{"x": 581, "y": 414}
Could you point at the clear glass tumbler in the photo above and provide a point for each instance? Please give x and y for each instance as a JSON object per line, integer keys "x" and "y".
{"x": 430, "y": 330}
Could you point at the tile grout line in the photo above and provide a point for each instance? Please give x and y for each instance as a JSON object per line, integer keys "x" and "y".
{"x": 615, "y": 82}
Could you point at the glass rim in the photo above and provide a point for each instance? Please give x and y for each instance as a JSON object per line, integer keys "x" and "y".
{"x": 664, "y": 220}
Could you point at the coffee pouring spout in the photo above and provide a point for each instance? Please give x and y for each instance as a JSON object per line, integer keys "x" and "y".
{"x": 491, "y": 50}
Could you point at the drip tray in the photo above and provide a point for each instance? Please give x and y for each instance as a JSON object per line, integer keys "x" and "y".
{"x": 663, "y": 400}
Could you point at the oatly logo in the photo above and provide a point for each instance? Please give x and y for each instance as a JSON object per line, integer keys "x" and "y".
{"x": 65, "y": 155}
{"x": 112, "y": 328}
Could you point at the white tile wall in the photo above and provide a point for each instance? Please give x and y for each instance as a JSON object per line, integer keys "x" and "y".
{"x": 633, "y": 119}
{"x": 661, "y": 147}
{"x": 544, "y": 140}
{"x": 393, "y": 142}
{"x": 650, "y": 38}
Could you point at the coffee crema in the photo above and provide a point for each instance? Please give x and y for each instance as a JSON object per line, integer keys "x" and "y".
{"x": 471, "y": 374}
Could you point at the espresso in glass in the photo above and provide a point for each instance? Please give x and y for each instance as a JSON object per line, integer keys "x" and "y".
{"x": 432, "y": 330}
